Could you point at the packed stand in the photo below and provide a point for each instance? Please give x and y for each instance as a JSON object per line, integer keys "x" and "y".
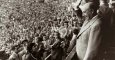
{"x": 48, "y": 41}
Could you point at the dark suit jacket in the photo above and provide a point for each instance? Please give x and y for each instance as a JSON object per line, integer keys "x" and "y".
{"x": 56, "y": 51}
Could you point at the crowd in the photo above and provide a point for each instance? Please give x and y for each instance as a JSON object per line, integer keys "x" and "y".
{"x": 51, "y": 40}
{"x": 47, "y": 41}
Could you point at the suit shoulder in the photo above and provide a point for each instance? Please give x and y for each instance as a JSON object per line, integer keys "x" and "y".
{"x": 97, "y": 23}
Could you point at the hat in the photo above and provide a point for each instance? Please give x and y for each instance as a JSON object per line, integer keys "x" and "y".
{"x": 25, "y": 41}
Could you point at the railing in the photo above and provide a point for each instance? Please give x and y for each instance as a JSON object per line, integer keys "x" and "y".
{"x": 71, "y": 54}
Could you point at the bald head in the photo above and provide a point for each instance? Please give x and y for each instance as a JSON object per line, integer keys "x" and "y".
{"x": 89, "y": 10}
{"x": 89, "y": 5}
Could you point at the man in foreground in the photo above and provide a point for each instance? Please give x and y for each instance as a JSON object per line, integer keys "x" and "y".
{"x": 91, "y": 33}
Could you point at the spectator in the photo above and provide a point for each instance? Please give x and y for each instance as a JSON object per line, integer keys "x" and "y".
{"x": 56, "y": 51}
{"x": 28, "y": 55}
{"x": 14, "y": 54}
{"x": 38, "y": 48}
{"x": 24, "y": 49}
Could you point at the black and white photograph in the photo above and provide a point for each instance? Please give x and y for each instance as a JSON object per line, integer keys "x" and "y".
{"x": 57, "y": 29}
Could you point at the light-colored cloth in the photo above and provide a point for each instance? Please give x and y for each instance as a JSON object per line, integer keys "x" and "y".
{"x": 28, "y": 56}
{"x": 21, "y": 53}
{"x": 14, "y": 56}
{"x": 64, "y": 31}
{"x": 89, "y": 39}
{"x": 54, "y": 29}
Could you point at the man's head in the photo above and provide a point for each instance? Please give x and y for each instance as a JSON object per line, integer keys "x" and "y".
{"x": 44, "y": 38}
{"x": 57, "y": 35}
{"x": 75, "y": 23}
{"x": 25, "y": 42}
{"x": 73, "y": 17}
{"x": 66, "y": 24}
{"x": 14, "y": 48}
{"x": 89, "y": 10}
{"x": 38, "y": 39}
{"x": 78, "y": 13}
